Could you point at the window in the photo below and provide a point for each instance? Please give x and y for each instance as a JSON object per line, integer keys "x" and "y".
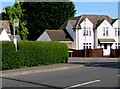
{"x": 89, "y": 32}
{"x": 74, "y": 30}
{"x": 118, "y": 32}
{"x": 115, "y": 32}
{"x": 117, "y": 45}
{"x": 105, "y": 31}
{"x": 86, "y": 31}
{"x": 83, "y": 32}
{"x": 83, "y": 47}
{"x": 87, "y": 46}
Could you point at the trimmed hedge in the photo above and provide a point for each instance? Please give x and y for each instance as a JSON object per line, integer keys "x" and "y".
{"x": 33, "y": 53}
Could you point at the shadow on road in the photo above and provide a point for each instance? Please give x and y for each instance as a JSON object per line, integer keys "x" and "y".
{"x": 99, "y": 64}
{"x": 29, "y": 82}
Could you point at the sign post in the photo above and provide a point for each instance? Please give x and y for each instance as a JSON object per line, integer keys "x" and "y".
{"x": 16, "y": 24}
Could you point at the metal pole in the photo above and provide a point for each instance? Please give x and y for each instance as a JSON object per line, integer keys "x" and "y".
{"x": 13, "y": 32}
{"x": 16, "y": 24}
{"x": 85, "y": 35}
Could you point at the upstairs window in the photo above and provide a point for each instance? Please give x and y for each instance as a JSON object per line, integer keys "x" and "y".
{"x": 105, "y": 31}
{"x": 87, "y": 31}
{"x": 117, "y": 31}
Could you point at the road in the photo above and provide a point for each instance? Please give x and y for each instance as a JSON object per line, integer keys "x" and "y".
{"x": 96, "y": 74}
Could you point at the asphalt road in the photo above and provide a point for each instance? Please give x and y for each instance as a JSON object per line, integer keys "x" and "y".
{"x": 95, "y": 74}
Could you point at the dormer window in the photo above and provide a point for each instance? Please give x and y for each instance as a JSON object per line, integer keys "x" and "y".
{"x": 73, "y": 29}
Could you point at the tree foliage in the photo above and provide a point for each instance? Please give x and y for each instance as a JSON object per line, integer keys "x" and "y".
{"x": 46, "y": 15}
{"x": 16, "y": 12}
{"x": 35, "y": 17}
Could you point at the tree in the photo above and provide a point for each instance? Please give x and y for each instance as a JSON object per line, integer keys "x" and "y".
{"x": 16, "y": 12}
{"x": 46, "y": 15}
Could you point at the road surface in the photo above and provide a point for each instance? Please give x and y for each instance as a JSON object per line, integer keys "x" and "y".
{"x": 96, "y": 74}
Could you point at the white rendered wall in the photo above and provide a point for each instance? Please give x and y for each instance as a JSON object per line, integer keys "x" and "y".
{"x": 86, "y": 39}
{"x": 99, "y": 32}
{"x": 4, "y": 36}
{"x": 116, "y": 24}
{"x": 44, "y": 37}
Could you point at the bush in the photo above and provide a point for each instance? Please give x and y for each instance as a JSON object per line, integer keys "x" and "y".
{"x": 33, "y": 53}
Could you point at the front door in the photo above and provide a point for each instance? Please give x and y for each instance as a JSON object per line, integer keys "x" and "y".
{"x": 106, "y": 49}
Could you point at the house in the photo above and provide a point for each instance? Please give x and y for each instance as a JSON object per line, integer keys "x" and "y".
{"x": 56, "y": 35}
{"x": 87, "y": 32}
{"x": 5, "y": 32}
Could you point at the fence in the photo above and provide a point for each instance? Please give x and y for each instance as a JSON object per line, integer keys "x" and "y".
{"x": 89, "y": 53}
{"x": 115, "y": 53}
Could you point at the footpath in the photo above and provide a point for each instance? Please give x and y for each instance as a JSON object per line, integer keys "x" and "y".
{"x": 55, "y": 67}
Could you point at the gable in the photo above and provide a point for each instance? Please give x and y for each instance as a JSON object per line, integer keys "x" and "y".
{"x": 116, "y": 23}
{"x": 44, "y": 37}
{"x": 86, "y": 22}
{"x": 96, "y": 20}
{"x": 4, "y": 36}
{"x": 104, "y": 23}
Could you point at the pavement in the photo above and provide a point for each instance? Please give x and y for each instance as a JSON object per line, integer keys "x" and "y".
{"x": 54, "y": 67}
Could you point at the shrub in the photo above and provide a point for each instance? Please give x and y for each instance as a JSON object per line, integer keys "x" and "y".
{"x": 33, "y": 53}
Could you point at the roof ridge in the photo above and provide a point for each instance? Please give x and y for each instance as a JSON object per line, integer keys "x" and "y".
{"x": 53, "y": 30}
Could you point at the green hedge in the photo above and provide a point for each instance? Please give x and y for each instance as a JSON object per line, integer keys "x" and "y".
{"x": 33, "y": 53}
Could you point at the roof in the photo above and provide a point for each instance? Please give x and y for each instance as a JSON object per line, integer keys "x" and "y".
{"x": 115, "y": 20}
{"x": 106, "y": 40}
{"x": 16, "y": 36}
{"x": 58, "y": 35}
{"x": 95, "y": 19}
{"x": 5, "y": 25}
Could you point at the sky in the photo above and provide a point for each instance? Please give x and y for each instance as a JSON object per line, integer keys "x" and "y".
{"x": 97, "y": 8}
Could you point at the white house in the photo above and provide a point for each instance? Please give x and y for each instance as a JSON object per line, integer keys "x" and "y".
{"x": 5, "y": 32}
{"x": 88, "y": 32}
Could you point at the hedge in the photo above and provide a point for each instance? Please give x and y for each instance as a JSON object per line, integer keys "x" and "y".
{"x": 33, "y": 53}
